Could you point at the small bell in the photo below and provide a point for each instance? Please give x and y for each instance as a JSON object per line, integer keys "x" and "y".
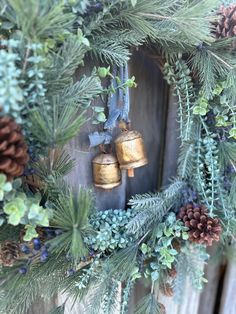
{"x": 106, "y": 172}
{"x": 130, "y": 151}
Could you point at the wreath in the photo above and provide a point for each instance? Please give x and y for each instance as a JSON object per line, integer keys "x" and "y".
{"x": 52, "y": 240}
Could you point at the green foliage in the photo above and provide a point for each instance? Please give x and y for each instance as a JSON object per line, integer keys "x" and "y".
{"x": 151, "y": 208}
{"x": 190, "y": 264}
{"x": 38, "y": 20}
{"x": 149, "y": 305}
{"x": 11, "y": 94}
{"x": 56, "y": 165}
{"x": 178, "y": 75}
{"x": 63, "y": 63}
{"x": 124, "y": 262}
{"x": 27, "y": 211}
{"x": 71, "y": 215}
{"x": 211, "y": 62}
{"x": 42, "y": 279}
{"x": 110, "y": 227}
{"x": 126, "y": 292}
{"x": 159, "y": 249}
{"x": 5, "y": 186}
{"x": 58, "y": 126}
{"x": 58, "y": 310}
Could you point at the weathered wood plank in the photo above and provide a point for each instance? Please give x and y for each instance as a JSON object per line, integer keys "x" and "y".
{"x": 148, "y": 115}
{"x": 42, "y": 307}
{"x": 209, "y": 293}
{"x": 228, "y": 300}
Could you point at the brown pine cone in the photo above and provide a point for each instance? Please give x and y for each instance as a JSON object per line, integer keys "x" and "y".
{"x": 167, "y": 290}
{"x": 9, "y": 253}
{"x": 13, "y": 150}
{"x": 172, "y": 272}
{"x": 202, "y": 228}
{"x": 162, "y": 308}
{"x": 226, "y": 25}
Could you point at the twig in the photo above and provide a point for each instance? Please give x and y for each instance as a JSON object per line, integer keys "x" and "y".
{"x": 26, "y": 59}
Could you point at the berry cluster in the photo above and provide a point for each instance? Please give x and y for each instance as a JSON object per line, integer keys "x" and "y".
{"x": 37, "y": 248}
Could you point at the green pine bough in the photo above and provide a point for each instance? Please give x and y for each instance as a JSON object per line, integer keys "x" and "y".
{"x": 52, "y": 239}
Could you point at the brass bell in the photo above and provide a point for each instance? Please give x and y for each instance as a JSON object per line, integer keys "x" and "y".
{"x": 106, "y": 172}
{"x": 130, "y": 151}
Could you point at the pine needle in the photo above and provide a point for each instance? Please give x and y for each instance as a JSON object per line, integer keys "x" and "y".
{"x": 149, "y": 305}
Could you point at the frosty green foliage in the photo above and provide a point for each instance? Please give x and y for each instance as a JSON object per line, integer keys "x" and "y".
{"x": 190, "y": 263}
{"x": 5, "y": 186}
{"x": 11, "y": 94}
{"x": 149, "y": 304}
{"x": 26, "y": 211}
{"x": 178, "y": 75}
{"x": 160, "y": 248}
{"x": 110, "y": 227}
{"x": 152, "y": 207}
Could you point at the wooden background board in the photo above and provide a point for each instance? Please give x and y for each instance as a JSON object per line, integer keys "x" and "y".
{"x": 153, "y": 113}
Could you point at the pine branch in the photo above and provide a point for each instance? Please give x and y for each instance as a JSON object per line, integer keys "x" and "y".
{"x": 186, "y": 160}
{"x": 82, "y": 92}
{"x": 39, "y": 20}
{"x": 123, "y": 262}
{"x": 127, "y": 290}
{"x": 212, "y": 62}
{"x": 149, "y": 305}
{"x": 152, "y": 208}
{"x": 111, "y": 297}
{"x": 63, "y": 65}
{"x": 43, "y": 279}
{"x": 58, "y": 310}
{"x": 190, "y": 263}
{"x": 57, "y": 126}
{"x": 232, "y": 195}
{"x": 227, "y": 154}
{"x": 111, "y": 53}
{"x": 57, "y": 164}
{"x": 71, "y": 214}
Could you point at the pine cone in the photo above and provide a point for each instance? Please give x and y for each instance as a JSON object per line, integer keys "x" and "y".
{"x": 162, "y": 308}
{"x": 167, "y": 290}
{"x": 172, "y": 272}
{"x": 202, "y": 228}
{"x": 13, "y": 150}
{"x": 226, "y": 25}
{"x": 9, "y": 253}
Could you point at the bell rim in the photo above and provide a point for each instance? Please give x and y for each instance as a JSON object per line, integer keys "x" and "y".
{"x": 107, "y": 186}
{"x": 135, "y": 164}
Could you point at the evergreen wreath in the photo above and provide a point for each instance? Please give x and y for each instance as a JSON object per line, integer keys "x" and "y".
{"x": 52, "y": 239}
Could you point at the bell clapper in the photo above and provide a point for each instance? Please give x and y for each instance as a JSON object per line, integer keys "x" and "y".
{"x": 131, "y": 173}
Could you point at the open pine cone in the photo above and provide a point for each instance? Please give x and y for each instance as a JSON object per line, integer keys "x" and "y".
{"x": 167, "y": 290}
{"x": 202, "y": 228}
{"x": 9, "y": 253}
{"x": 226, "y": 25}
{"x": 13, "y": 150}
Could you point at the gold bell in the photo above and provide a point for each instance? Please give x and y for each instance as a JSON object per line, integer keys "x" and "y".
{"x": 130, "y": 151}
{"x": 106, "y": 172}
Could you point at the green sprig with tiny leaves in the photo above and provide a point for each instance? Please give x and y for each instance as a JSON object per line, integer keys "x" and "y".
{"x": 159, "y": 250}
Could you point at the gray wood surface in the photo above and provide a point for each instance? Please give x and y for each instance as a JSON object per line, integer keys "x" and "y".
{"x": 228, "y": 299}
{"x": 212, "y": 274}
